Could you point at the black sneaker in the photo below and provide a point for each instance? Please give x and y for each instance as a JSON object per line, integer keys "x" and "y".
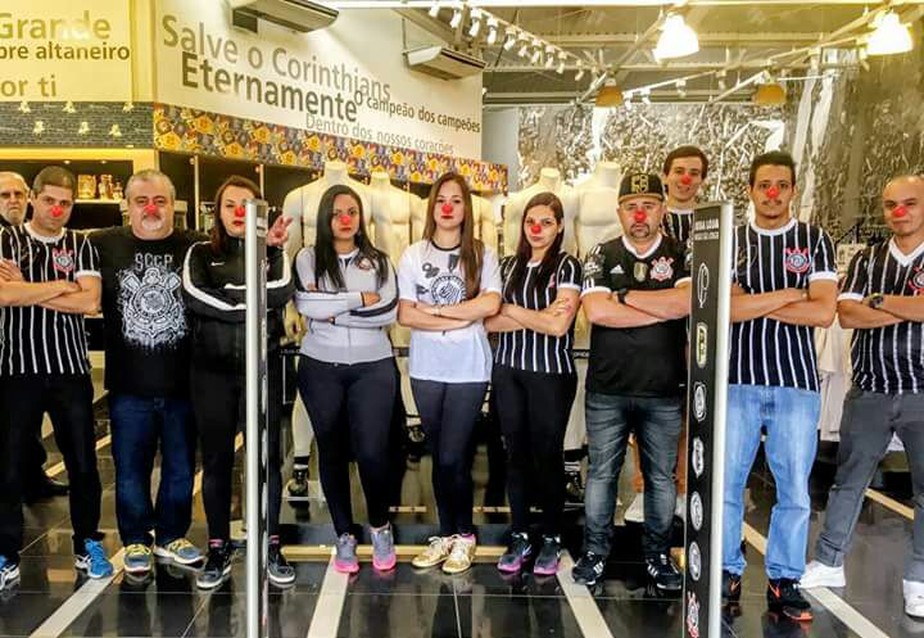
{"x": 278, "y": 569}
{"x": 731, "y": 587}
{"x": 663, "y": 573}
{"x": 588, "y": 569}
{"x": 298, "y": 484}
{"x": 218, "y": 566}
{"x": 518, "y": 551}
{"x": 785, "y": 597}
{"x": 574, "y": 489}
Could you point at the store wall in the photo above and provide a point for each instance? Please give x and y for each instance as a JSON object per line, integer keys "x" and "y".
{"x": 574, "y": 139}
{"x": 499, "y": 141}
{"x": 873, "y": 131}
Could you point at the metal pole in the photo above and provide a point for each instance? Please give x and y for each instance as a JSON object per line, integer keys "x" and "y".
{"x": 255, "y": 327}
{"x": 723, "y": 326}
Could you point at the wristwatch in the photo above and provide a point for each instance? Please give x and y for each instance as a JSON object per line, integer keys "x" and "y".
{"x": 621, "y": 295}
{"x": 875, "y": 300}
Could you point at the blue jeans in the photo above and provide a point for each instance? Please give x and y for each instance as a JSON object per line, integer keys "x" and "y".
{"x": 791, "y": 418}
{"x": 656, "y": 422}
{"x": 138, "y": 424}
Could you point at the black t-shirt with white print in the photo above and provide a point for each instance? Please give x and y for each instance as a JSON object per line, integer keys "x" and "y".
{"x": 765, "y": 351}
{"x": 645, "y": 361}
{"x": 889, "y": 359}
{"x": 146, "y": 327}
{"x": 33, "y": 339}
{"x": 527, "y": 349}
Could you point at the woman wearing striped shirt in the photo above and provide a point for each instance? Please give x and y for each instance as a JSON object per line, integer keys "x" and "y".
{"x": 534, "y": 377}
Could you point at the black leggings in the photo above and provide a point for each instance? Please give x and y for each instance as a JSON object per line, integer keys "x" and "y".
{"x": 351, "y": 409}
{"x": 219, "y": 403}
{"x": 534, "y": 408}
{"x": 448, "y": 414}
{"x": 68, "y": 399}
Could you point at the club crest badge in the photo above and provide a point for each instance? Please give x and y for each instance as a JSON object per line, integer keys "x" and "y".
{"x": 63, "y": 260}
{"x": 796, "y": 260}
{"x": 699, "y": 401}
{"x": 692, "y": 615}
{"x": 696, "y": 512}
{"x": 695, "y": 561}
{"x": 661, "y": 268}
{"x": 916, "y": 282}
{"x": 699, "y": 457}
{"x": 702, "y": 285}
{"x": 702, "y": 345}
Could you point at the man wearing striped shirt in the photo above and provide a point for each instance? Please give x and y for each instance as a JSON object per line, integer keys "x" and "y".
{"x": 48, "y": 281}
{"x": 881, "y": 300}
{"x": 14, "y": 198}
{"x": 784, "y": 286}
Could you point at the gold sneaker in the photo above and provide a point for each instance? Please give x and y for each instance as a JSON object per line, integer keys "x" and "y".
{"x": 461, "y": 555}
{"x": 436, "y": 552}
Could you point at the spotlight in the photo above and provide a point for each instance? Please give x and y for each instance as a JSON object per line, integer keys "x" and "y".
{"x": 476, "y": 23}
{"x": 890, "y": 36}
{"x": 492, "y": 31}
{"x": 510, "y": 38}
{"x": 677, "y": 40}
{"x": 456, "y": 19}
{"x": 434, "y": 10}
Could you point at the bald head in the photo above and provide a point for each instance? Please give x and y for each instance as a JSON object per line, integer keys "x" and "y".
{"x": 14, "y": 193}
{"x": 903, "y": 205}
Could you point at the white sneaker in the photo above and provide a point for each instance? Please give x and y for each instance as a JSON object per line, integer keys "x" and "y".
{"x": 914, "y": 597}
{"x": 636, "y": 511}
{"x": 821, "y": 575}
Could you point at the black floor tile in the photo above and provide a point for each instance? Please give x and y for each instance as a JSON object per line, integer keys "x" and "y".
{"x": 753, "y": 621}
{"x": 385, "y": 616}
{"x": 221, "y": 616}
{"x": 21, "y": 613}
{"x": 130, "y": 611}
{"x": 530, "y": 617}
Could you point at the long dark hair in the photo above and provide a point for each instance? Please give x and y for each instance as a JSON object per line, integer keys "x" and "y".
{"x": 326, "y": 262}
{"x": 524, "y": 251}
{"x": 219, "y": 238}
{"x": 471, "y": 251}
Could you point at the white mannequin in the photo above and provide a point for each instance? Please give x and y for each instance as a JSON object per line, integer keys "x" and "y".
{"x": 482, "y": 212}
{"x": 598, "y": 203}
{"x": 391, "y": 208}
{"x": 302, "y": 205}
{"x": 550, "y": 181}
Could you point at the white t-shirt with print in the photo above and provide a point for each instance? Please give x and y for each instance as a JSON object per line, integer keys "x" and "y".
{"x": 434, "y": 276}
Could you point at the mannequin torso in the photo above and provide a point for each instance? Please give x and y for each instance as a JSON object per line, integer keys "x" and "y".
{"x": 598, "y": 201}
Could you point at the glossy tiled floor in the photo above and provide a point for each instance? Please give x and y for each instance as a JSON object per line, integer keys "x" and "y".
{"x": 408, "y": 604}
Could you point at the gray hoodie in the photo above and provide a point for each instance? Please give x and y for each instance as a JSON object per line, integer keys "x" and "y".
{"x": 340, "y": 328}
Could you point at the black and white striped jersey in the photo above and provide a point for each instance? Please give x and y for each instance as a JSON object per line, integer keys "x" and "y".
{"x": 677, "y": 224}
{"x": 765, "y": 351}
{"x": 36, "y": 340}
{"x": 887, "y": 359}
{"x": 527, "y": 349}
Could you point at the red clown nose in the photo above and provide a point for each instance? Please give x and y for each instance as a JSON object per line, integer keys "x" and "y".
{"x": 899, "y": 211}
{"x": 773, "y": 192}
{"x": 345, "y": 220}
{"x": 640, "y": 216}
{"x": 150, "y": 210}
{"x": 446, "y": 208}
{"x": 535, "y": 229}
{"x": 56, "y": 211}
{"x": 686, "y": 180}
{"x": 239, "y": 211}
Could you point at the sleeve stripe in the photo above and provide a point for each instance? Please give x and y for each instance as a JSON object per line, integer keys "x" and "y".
{"x": 199, "y": 294}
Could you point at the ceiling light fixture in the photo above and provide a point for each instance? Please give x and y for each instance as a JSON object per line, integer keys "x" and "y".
{"x": 492, "y": 31}
{"x": 475, "y": 27}
{"x": 889, "y": 37}
{"x": 677, "y": 39}
{"x": 524, "y": 49}
{"x": 510, "y": 38}
{"x": 537, "y": 53}
{"x": 434, "y": 10}
{"x": 456, "y": 19}
{"x": 580, "y": 72}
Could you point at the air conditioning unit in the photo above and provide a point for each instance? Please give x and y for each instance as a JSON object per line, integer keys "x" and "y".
{"x": 298, "y": 15}
{"x": 443, "y": 63}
